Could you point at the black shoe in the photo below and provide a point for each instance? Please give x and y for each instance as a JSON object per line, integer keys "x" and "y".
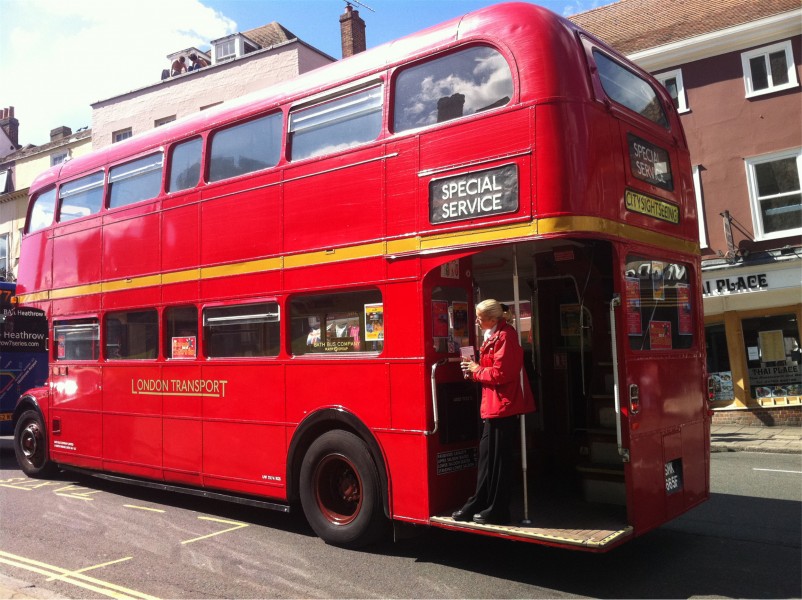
{"x": 461, "y": 515}
{"x": 490, "y": 519}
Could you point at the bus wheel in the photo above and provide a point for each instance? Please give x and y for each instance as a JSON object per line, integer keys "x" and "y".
{"x": 30, "y": 446}
{"x": 340, "y": 491}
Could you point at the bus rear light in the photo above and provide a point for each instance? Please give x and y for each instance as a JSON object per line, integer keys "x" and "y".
{"x": 634, "y": 399}
{"x": 711, "y": 389}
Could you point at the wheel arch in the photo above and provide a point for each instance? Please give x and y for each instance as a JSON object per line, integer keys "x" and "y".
{"x": 30, "y": 401}
{"x": 315, "y": 425}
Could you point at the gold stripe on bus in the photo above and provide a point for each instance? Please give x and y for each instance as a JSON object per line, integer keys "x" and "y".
{"x": 131, "y": 283}
{"x": 242, "y": 268}
{"x": 551, "y": 225}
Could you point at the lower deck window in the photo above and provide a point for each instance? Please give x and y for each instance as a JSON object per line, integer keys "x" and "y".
{"x": 76, "y": 340}
{"x": 337, "y": 323}
{"x": 132, "y": 335}
{"x": 242, "y": 330}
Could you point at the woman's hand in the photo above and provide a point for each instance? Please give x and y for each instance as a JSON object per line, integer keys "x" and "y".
{"x": 469, "y": 366}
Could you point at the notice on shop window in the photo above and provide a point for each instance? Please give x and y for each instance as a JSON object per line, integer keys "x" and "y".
{"x": 772, "y": 348}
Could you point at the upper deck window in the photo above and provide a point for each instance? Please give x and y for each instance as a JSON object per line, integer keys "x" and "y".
{"x": 337, "y": 124}
{"x": 44, "y": 207}
{"x": 134, "y": 181}
{"x": 460, "y": 84}
{"x": 626, "y": 88}
{"x": 81, "y": 197}
{"x": 245, "y": 148}
{"x": 185, "y": 165}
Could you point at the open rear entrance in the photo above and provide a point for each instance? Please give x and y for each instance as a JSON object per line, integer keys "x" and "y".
{"x": 560, "y": 293}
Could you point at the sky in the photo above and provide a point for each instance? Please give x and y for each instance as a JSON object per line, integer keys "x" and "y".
{"x": 57, "y": 57}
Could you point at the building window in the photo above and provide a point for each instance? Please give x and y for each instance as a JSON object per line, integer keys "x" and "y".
{"x": 769, "y": 69}
{"x": 772, "y": 356}
{"x": 163, "y": 121}
{"x": 225, "y": 50}
{"x": 672, "y": 81}
{"x": 775, "y": 195}
{"x": 4, "y": 246}
{"x": 58, "y": 158}
{"x": 718, "y": 362}
{"x": 122, "y": 134}
{"x": 700, "y": 206}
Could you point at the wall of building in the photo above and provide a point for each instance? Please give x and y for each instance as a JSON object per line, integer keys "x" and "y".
{"x": 191, "y": 92}
{"x": 723, "y": 127}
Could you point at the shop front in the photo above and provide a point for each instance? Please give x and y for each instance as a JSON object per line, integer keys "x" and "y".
{"x": 752, "y": 316}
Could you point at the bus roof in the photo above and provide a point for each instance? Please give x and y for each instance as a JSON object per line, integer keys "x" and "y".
{"x": 506, "y": 25}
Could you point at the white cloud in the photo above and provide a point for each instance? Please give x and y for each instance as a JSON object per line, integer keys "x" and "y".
{"x": 59, "y": 57}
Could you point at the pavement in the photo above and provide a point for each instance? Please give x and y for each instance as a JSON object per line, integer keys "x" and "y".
{"x": 723, "y": 438}
{"x": 742, "y": 438}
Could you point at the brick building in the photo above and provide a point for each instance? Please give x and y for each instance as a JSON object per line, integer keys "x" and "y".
{"x": 733, "y": 67}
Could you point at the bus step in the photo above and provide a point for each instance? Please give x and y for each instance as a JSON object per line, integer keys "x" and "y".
{"x": 603, "y": 537}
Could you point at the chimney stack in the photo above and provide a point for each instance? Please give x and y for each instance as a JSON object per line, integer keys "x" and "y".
{"x": 10, "y": 125}
{"x": 352, "y": 31}
{"x": 59, "y": 133}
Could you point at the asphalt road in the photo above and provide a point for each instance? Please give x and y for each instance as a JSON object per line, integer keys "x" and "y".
{"x": 86, "y": 538}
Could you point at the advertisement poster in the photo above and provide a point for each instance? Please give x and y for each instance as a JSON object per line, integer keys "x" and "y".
{"x": 450, "y": 270}
{"x": 439, "y": 318}
{"x": 374, "y": 322}
{"x": 184, "y": 347}
{"x": 684, "y": 308}
{"x": 459, "y": 319}
{"x": 633, "y": 316}
{"x": 722, "y": 386}
{"x": 658, "y": 282}
{"x": 660, "y": 335}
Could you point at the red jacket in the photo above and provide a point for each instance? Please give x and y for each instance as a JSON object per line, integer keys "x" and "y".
{"x": 501, "y": 362}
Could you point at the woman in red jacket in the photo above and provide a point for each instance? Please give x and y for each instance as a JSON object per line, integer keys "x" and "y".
{"x": 499, "y": 371}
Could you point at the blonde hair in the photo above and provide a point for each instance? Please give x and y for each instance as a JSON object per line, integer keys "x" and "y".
{"x": 494, "y": 309}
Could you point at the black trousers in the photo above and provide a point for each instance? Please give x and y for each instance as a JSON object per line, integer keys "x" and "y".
{"x": 496, "y": 469}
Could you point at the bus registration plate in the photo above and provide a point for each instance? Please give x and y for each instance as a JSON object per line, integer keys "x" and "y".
{"x": 674, "y": 476}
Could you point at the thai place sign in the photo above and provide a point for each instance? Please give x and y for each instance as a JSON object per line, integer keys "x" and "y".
{"x": 474, "y": 195}
{"x": 744, "y": 282}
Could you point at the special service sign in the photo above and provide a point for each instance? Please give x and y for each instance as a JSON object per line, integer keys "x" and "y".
{"x": 474, "y": 195}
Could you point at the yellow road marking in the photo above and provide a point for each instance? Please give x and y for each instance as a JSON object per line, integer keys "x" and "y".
{"x": 237, "y": 525}
{"x": 79, "y": 495}
{"x": 85, "y": 569}
{"x": 158, "y": 510}
{"x": 74, "y": 578}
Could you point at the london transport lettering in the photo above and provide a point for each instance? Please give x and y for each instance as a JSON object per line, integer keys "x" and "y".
{"x": 652, "y": 207}
{"x": 215, "y": 388}
{"x": 649, "y": 163}
{"x": 475, "y": 194}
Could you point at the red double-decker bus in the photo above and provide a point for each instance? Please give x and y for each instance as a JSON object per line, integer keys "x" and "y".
{"x": 267, "y": 300}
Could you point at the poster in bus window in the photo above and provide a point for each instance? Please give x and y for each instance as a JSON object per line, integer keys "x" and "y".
{"x": 439, "y": 318}
{"x": 374, "y": 322}
{"x": 569, "y": 319}
{"x": 459, "y": 319}
{"x": 660, "y": 335}
{"x": 658, "y": 281}
{"x": 634, "y": 326}
{"x": 684, "y": 309}
{"x": 184, "y": 347}
{"x": 61, "y": 345}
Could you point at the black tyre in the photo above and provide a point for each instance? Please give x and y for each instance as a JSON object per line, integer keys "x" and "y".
{"x": 340, "y": 491}
{"x": 30, "y": 446}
